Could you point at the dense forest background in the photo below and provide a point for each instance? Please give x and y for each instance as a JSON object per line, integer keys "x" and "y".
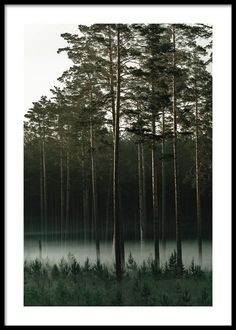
{"x": 128, "y": 187}
{"x": 130, "y": 126}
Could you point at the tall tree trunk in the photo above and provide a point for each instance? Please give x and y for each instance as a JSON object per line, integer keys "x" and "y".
{"x": 117, "y": 219}
{"x": 61, "y": 195}
{"x": 140, "y": 193}
{"x": 113, "y": 107}
{"x": 67, "y": 193}
{"x": 41, "y": 200}
{"x": 51, "y": 215}
{"x": 177, "y": 218}
{"x": 143, "y": 190}
{"x": 141, "y": 185}
{"x": 154, "y": 195}
{"x": 198, "y": 201}
{"x": 44, "y": 188}
{"x": 94, "y": 193}
{"x": 72, "y": 216}
{"x": 163, "y": 186}
{"x": 41, "y": 190}
{"x": 111, "y": 69}
{"x": 108, "y": 202}
{"x": 86, "y": 204}
{"x": 122, "y": 245}
{"x": 84, "y": 193}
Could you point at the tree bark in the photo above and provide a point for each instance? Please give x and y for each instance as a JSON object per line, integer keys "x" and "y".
{"x": 163, "y": 181}
{"x": 116, "y": 217}
{"x": 198, "y": 200}
{"x": 140, "y": 193}
{"x": 85, "y": 197}
{"x": 108, "y": 202}
{"x": 154, "y": 196}
{"x": 44, "y": 188}
{"x": 61, "y": 195}
{"x": 94, "y": 193}
{"x": 41, "y": 189}
{"x": 177, "y": 218}
{"x": 40, "y": 249}
{"x": 113, "y": 104}
{"x": 67, "y": 193}
{"x": 112, "y": 82}
{"x": 141, "y": 185}
{"x": 143, "y": 190}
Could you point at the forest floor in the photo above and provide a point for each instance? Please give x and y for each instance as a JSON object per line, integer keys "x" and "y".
{"x": 70, "y": 284}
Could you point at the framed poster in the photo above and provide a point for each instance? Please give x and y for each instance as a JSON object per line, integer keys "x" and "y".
{"x": 110, "y": 187}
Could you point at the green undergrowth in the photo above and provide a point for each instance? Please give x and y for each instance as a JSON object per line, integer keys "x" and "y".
{"x": 69, "y": 283}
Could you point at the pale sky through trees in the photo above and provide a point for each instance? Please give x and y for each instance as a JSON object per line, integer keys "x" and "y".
{"x": 42, "y": 64}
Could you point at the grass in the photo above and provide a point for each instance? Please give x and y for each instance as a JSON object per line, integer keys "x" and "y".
{"x": 70, "y": 284}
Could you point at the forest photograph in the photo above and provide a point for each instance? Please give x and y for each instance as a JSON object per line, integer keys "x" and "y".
{"x": 118, "y": 170}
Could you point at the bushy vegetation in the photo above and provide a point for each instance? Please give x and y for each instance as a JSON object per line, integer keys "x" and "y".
{"x": 70, "y": 284}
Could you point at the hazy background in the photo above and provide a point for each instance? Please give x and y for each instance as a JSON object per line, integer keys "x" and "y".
{"x": 42, "y": 64}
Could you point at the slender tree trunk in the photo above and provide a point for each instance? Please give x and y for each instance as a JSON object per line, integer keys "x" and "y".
{"x": 55, "y": 216}
{"x": 41, "y": 201}
{"x": 79, "y": 215}
{"x": 154, "y": 196}
{"x": 122, "y": 246}
{"x": 44, "y": 188}
{"x": 94, "y": 194}
{"x": 40, "y": 249}
{"x": 117, "y": 219}
{"x": 198, "y": 201}
{"x": 67, "y": 193}
{"x": 84, "y": 192}
{"x": 111, "y": 69}
{"x": 51, "y": 215}
{"x": 141, "y": 183}
{"x": 72, "y": 216}
{"x": 143, "y": 191}
{"x": 140, "y": 193}
{"x": 113, "y": 105}
{"x": 177, "y": 218}
{"x": 108, "y": 202}
{"x": 86, "y": 204}
{"x": 41, "y": 190}
{"x": 163, "y": 175}
{"x": 61, "y": 195}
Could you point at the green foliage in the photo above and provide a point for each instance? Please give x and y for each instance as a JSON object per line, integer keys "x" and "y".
{"x": 143, "y": 269}
{"x": 186, "y": 298}
{"x": 74, "y": 267}
{"x": 55, "y": 272}
{"x": 64, "y": 267}
{"x": 172, "y": 265}
{"x": 146, "y": 297}
{"x": 195, "y": 270}
{"x": 205, "y": 298}
{"x": 131, "y": 264}
{"x": 69, "y": 284}
{"x": 155, "y": 270}
{"x": 36, "y": 267}
{"x": 87, "y": 265}
{"x": 118, "y": 299}
{"x": 98, "y": 267}
{"x": 165, "y": 300}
